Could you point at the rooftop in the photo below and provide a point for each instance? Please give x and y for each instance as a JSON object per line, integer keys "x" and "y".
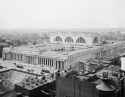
{"x": 59, "y": 51}
{"x": 63, "y": 51}
{"x": 27, "y": 80}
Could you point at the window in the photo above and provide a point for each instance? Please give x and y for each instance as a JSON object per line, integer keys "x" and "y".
{"x": 69, "y": 39}
{"x": 80, "y": 40}
{"x": 58, "y": 38}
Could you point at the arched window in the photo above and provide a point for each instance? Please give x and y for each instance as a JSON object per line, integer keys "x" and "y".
{"x": 68, "y": 39}
{"x": 58, "y": 38}
{"x": 95, "y": 40}
{"x": 80, "y": 40}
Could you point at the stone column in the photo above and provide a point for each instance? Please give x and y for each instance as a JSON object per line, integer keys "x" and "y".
{"x": 57, "y": 64}
{"x": 41, "y": 60}
{"x": 47, "y": 62}
{"x": 50, "y": 62}
{"x": 54, "y": 63}
{"x": 37, "y": 60}
{"x": 44, "y": 61}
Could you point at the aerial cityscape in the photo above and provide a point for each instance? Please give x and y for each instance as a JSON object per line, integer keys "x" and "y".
{"x": 62, "y": 48}
{"x": 63, "y": 64}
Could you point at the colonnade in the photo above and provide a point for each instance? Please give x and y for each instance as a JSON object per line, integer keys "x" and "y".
{"x": 35, "y": 60}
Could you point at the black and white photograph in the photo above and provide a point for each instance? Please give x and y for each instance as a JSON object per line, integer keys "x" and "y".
{"x": 62, "y": 48}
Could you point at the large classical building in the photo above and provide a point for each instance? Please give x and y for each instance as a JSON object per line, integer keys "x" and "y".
{"x": 49, "y": 56}
{"x": 64, "y": 50}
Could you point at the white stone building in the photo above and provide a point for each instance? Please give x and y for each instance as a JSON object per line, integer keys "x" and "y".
{"x": 63, "y": 50}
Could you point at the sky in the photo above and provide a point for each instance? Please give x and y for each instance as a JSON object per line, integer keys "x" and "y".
{"x": 61, "y": 14}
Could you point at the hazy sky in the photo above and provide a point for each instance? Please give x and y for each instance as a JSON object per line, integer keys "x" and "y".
{"x": 61, "y": 14}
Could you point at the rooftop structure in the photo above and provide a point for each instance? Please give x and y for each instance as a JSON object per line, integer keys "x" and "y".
{"x": 74, "y": 37}
{"x": 48, "y": 54}
{"x": 57, "y": 56}
{"x": 63, "y": 50}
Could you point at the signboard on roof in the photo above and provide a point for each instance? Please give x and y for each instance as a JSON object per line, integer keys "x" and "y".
{"x": 123, "y": 63}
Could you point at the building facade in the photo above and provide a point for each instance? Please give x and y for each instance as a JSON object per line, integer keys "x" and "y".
{"x": 61, "y": 56}
{"x": 45, "y": 62}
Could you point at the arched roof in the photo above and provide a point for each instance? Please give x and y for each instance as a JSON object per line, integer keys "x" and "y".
{"x": 68, "y": 39}
{"x": 95, "y": 40}
{"x": 58, "y": 38}
{"x": 80, "y": 40}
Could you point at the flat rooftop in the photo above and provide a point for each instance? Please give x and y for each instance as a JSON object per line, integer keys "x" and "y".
{"x": 59, "y": 51}
{"x": 27, "y": 80}
{"x": 52, "y": 50}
